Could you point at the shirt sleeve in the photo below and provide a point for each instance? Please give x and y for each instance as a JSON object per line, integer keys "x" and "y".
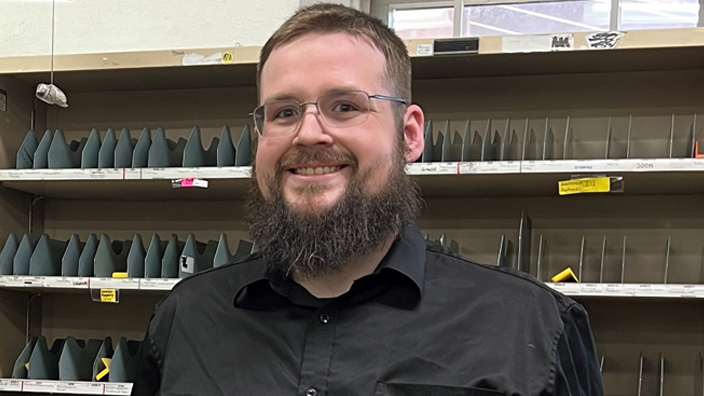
{"x": 577, "y": 367}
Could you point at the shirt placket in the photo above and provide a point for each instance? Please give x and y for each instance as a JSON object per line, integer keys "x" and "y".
{"x": 318, "y": 354}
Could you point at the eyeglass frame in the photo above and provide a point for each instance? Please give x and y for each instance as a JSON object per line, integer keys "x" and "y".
{"x": 301, "y": 105}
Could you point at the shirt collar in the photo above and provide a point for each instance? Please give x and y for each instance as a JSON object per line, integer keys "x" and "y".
{"x": 405, "y": 260}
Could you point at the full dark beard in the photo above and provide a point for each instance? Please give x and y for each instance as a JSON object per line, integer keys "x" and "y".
{"x": 313, "y": 244}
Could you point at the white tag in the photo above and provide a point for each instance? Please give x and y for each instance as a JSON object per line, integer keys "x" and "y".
{"x": 198, "y": 59}
{"x": 424, "y": 50}
{"x": 118, "y": 389}
{"x": 537, "y": 43}
{"x": 39, "y": 386}
{"x": 187, "y": 264}
{"x": 157, "y": 283}
{"x": 10, "y": 385}
{"x": 84, "y": 388}
{"x": 114, "y": 283}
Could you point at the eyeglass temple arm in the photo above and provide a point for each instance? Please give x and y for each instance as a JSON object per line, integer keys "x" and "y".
{"x": 391, "y": 98}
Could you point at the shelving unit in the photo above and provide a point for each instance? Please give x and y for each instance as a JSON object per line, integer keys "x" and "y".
{"x": 649, "y": 76}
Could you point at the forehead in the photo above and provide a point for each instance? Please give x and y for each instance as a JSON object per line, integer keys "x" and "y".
{"x": 315, "y": 63}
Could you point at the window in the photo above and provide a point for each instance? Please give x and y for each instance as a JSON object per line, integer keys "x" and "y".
{"x": 534, "y": 18}
{"x": 435, "y": 19}
{"x": 435, "y": 22}
{"x": 657, "y": 14}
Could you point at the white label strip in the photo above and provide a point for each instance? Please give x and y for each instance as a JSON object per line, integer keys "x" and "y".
{"x": 65, "y": 387}
{"x": 114, "y": 283}
{"x": 10, "y": 385}
{"x": 490, "y": 167}
{"x": 230, "y": 172}
{"x": 624, "y": 165}
{"x": 630, "y": 290}
{"x": 11, "y": 281}
{"x": 66, "y": 282}
{"x": 132, "y": 174}
{"x": 433, "y": 168}
{"x": 83, "y": 388}
{"x": 424, "y": 50}
{"x": 157, "y": 283}
{"x": 69, "y": 282}
{"x": 118, "y": 389}
{"x": 39, "y": 386}
{"x": 537, "y": 43}
{"x": 105, "y": 174}
{"x": 27, "y": 281}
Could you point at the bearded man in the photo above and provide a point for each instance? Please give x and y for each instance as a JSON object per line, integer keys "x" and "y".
{"x": 345, "y": 296}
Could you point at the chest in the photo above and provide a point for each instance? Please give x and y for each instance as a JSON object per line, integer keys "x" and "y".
{"x": 364, "y": 350}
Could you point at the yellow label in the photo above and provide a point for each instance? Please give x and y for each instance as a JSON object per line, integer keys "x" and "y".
{"x": 119, "y": 274}
{"x": 565, "y": 276}
{"x": 227, "y": 57}
{"x": 586, "y": 185}
{"x": 108, "y": 295}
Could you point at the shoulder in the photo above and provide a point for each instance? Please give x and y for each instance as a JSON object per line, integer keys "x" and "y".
{"x": 493, "y": 283}
{"x": 214, "y": 286}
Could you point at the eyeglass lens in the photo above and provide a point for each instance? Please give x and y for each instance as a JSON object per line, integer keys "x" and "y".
{"x": 337, "y": 110}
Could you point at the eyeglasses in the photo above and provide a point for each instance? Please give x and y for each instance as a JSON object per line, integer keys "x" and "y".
{"x": 342, "y": 109}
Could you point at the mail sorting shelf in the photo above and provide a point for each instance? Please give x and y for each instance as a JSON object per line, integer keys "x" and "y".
{"x": 102, "y": 258}
{"x": 474, "y": 210}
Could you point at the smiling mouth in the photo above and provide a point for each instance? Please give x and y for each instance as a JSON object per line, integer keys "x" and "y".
{"x": 318, "y": 170}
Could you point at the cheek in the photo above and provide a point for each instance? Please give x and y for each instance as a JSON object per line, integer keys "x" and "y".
{"x": 379, "y": 164}
{"x": 265, "y": 160}
{"x": 268, "y": 154}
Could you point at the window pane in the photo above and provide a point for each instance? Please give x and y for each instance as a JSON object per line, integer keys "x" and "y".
{"x": 423, "y": 22}
{"x": 657, "y": 14}
{"x": 534, "y": 18}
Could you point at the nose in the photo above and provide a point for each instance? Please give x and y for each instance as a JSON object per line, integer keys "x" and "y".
{"x": 311, "y": 130}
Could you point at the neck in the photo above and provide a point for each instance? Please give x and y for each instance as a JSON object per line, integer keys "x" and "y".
{"x": 338, "y": 283}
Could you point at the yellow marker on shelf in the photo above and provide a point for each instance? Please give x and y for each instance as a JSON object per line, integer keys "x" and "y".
{"x": 584, "y": 185}
{"x": 119, "y": 275}
{"x": 102, "y": 374}
{"x": 565, "y": 276}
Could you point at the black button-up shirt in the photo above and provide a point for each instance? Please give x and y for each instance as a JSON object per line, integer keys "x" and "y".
{"x": 424, "y": 323}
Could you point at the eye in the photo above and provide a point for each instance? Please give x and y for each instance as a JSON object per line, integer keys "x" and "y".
{"x": 344, "y": 107}
{"x": 286, "y": 112}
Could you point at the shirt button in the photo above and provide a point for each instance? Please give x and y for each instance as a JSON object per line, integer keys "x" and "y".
{"x": 324, "y": 319}
{"x": 311, "y": 392}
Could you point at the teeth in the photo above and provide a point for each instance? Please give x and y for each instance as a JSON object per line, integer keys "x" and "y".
{"x": 321, "y": 170}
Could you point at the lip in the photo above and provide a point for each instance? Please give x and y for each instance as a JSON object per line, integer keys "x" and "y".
{"x": 313, "y": 165}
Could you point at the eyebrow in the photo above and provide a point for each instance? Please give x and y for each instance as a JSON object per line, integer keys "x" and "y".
{"x": 288, "y": 96}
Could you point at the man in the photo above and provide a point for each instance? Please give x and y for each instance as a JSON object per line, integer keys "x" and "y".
{"x": 346, "y": 298}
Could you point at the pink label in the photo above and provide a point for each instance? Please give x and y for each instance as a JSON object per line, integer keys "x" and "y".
{"x": 188, "y": 182}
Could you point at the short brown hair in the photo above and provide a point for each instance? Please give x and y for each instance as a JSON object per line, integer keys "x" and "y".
{"x": 336, "y": 18}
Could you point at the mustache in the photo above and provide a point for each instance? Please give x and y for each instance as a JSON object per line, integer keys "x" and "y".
{"x": 315, "y": 155}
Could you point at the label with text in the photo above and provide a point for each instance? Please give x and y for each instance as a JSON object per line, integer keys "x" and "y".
{"x": 586, "y": 185}
{"x": 108, "y": 295}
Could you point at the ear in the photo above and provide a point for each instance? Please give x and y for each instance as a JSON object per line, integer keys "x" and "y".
{"x": 413, "y": 132}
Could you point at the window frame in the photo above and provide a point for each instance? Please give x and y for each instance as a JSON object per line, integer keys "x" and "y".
{"x": 384, "y": 9}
